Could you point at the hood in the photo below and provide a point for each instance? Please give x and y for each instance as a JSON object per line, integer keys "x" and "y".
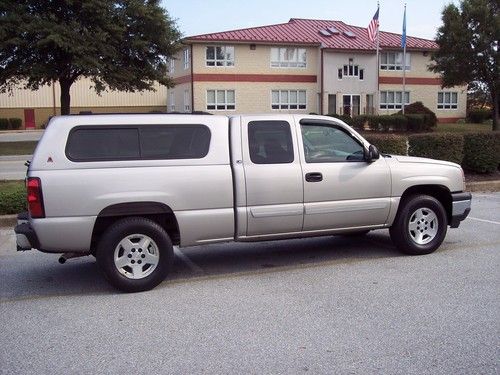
{"x": 413, "y": 159}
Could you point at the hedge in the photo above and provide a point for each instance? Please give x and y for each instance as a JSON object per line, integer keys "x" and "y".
{"x": 478, "y": 116}
{"x": 416, "y": 122}
{"x": 418, "y": 108}
{"x": 389, "y": 143}
{"x": 10, "y": 123}
{"x": 481, "y": 152}
{"x": 445, "y": 146}
{"x": 12, "y": 197}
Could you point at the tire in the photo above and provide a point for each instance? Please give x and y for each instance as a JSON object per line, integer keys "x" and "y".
{"x": 135, "y": 254}
{"x": 420, "y": 225}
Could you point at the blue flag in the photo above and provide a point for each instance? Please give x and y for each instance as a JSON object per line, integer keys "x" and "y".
{"x": 403, "y": 37}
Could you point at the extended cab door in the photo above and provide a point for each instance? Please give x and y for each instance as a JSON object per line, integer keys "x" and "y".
{"x": 273, "y": 176}
{"x": 341, "y": 189}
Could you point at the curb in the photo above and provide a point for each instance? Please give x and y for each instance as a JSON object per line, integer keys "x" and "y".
{"x": 8, "y": 221}
{"x": 476, "y": 186}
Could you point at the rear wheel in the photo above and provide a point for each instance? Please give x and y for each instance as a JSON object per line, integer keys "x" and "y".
{"x": 135, "y": 254}
{"x": 420, "y": 225}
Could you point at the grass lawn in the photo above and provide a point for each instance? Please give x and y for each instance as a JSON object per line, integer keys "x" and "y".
{"x": 462, "y": 128}
{"x": 17, "y": 148}
{"x": 12, "y": 197}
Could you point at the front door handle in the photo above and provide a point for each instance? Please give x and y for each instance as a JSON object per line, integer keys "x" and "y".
{"x": 314, "y": 177}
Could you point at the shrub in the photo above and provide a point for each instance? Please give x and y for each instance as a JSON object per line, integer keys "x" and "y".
{"x": 418, "y": 108}
{"x": 385, "y": 123}
{"x": 389, "y": 143}
{"x": 478, "y": 116}
{"x": 347, "y": 119}
{"x": 359, "y": 122}
{"x": 481, "y": 152}
{"x": 416, "y": 122}
{"x": 12, "y": 197}
{"x": 15, "y": 123}
{"x": 445, "y": 146}
{"x": 4, "y": 124}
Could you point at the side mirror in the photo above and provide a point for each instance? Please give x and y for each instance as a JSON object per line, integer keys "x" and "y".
{"x": 371, "y": 154}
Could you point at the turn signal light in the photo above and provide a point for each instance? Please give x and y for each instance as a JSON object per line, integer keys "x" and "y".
{"x": 35, "y": 198}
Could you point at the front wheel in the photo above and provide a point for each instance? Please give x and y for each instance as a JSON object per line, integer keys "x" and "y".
{"x": 420, "y": 225}
{"x": 135, "y": 254}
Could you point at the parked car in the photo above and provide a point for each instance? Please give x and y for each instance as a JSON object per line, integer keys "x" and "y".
{"x": 127, "y": 188}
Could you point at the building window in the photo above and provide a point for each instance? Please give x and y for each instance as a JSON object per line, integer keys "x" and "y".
{"x": 220, "y": 56}
{"x": 393, "y": 99}
{"x": 220, "y": 100}
{"x": 350, "y": 70}
{"x": 172, "y": 66}
{"x": 186, "y": 58}
{"x": 394, "y": 61}
{"x": 187, "y": 106}
{"x": 288, "y": 57}
{"x": 172, "y": 101}
{"x": 288, "y": 99}
{"x": 447, "y": 100}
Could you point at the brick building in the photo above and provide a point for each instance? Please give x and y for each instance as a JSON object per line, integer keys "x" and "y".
{"x": 307, "y": 66}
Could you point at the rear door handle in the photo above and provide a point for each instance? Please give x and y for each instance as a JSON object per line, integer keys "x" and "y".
{"x": 314, "y": 177}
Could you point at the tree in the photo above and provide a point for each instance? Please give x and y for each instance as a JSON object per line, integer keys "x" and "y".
{"x": 119, "y": 44}
{"x": 468, "y": 47}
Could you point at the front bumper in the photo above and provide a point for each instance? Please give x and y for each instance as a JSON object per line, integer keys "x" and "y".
{"x": 26, "y": 238}
{"x": 460, "y": 204}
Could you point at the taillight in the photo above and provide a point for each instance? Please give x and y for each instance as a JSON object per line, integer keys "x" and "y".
{"x": 35, "y": 198}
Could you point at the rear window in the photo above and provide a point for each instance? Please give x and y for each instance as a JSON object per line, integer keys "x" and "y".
{"x": 102, "y": 143}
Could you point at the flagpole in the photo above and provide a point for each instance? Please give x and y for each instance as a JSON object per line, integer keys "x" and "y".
{"x": 378, "y": 61}
{"x": 404, "y": 63}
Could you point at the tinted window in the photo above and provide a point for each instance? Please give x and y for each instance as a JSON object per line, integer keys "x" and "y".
{"x": 103, "y": 144}
{"x": 270, "y": 142}
{"x": 143, "y": 142}
{"x": 175, "y": 142}
{"x": 324, "y": 144}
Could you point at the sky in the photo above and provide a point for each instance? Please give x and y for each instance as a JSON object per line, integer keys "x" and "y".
{"x": 194, "y": 17}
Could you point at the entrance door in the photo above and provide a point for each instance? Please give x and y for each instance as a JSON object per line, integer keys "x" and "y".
{"x": 273, "y": 176}
{"x": 29, "y": 119}
{"x": 332, "y": 104}
{"x": 351, "y": 104}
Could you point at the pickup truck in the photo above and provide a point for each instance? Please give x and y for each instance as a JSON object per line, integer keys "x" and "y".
{"x": 128, "y": 188}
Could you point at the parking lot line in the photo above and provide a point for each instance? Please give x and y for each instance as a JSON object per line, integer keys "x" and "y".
{"x": 193, "y": 266}
{"x": 484, "y": 220}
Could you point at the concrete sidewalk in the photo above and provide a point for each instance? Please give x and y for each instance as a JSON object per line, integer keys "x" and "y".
{"x": 21, "y": 135}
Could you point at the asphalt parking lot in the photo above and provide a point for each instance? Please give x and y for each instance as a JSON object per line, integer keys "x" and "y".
{"x": 331, "y": 305}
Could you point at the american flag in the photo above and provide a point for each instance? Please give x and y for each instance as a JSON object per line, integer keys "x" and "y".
{"x": 373, "y": 27}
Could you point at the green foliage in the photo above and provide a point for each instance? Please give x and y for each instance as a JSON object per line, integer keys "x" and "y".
{"x": 17, "y": 148}
{"x": 386, "y": 123}
{"x": 478, "y": 116}
{"x": 468, "y": 46}
{"x": 418, "y": 108}
{"x": 416, "y": 123}
{"x": 388, "y": 143}
{"x": 15, "y": 123}
{"x": 12, "y": 197}
{"x": 481, "y": 152}
{"x": 444, "y": 146}
{"x": 347, "y": 119}
{"x": 119, "y": 44}
{"x": 4, "y": 123}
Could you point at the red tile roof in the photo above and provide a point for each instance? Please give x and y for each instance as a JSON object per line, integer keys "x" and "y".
{"x": 306, "y": 31}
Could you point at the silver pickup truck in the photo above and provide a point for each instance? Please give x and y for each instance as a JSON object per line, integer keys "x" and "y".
{"x": 127, "y": 188}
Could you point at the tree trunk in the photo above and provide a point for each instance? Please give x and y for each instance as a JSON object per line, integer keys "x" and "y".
{"x": 496, "y": 104}
{"x": 65, "y": 97}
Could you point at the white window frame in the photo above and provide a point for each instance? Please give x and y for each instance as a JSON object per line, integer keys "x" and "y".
{"x": 221, "y": 106}
{"x": 217, "y": 63}
{"x": 351, "y": 70}
{"x": 395, "y": 103}
{"x": 283, "y": 62}
{"x": 172, "y": 66}
{"x": 187, "y": 105}
{"x": 287, "y": 104}
{"x": 394, "y": 66}
{"x": 449, "y": 100}
{"x": 172, "y": 101}
{"x": 186, "y": 58}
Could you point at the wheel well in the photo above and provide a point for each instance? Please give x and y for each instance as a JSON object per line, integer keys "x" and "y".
{"x": 441, "y": 193}
{"x": 158, "y": 212}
